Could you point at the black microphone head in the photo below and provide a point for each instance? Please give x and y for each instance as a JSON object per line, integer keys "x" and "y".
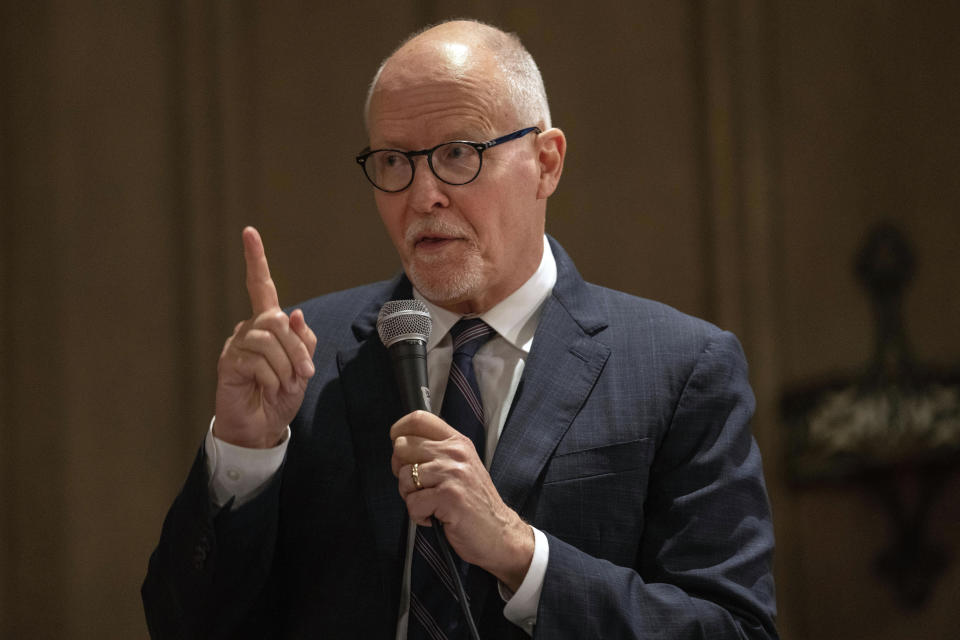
{"x": 403, "y": 320}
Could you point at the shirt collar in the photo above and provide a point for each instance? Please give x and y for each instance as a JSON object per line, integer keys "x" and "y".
{"x": 515, "y": 317}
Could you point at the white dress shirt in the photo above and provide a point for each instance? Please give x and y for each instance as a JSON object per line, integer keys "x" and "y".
{"x": 242, "y": 473}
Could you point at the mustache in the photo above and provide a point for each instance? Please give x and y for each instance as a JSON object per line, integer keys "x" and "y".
{"x": 434, "y": 227}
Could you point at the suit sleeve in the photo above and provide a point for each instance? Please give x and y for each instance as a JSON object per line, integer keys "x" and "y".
{"x": 209, "y": 575}
{"x": 703, "y": 568}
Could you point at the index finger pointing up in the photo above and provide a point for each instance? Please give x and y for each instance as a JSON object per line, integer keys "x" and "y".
{"x": 260, "y": 287}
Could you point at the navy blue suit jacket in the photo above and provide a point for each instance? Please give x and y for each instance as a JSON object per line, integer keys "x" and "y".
{"x": 628, "y": 444}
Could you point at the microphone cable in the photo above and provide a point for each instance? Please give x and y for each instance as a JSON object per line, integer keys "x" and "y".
{"x": 457, "y": 582}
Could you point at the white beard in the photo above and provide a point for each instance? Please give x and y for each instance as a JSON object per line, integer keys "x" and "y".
{"x": 445, "y": 278}
{"x": 447, "y": 283}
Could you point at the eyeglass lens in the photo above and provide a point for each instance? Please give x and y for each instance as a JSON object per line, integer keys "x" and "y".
{"x": 453, "y": 162}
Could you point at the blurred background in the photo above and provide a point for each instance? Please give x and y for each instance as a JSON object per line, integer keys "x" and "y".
{"x": 729, "y": 158}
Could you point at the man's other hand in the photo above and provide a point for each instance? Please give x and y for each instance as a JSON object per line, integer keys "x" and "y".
{"x": 265, "y": 365}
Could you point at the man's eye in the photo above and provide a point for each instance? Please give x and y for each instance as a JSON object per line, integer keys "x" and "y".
{"x": 390, "y": 160}
{"x": 455, "y": 152}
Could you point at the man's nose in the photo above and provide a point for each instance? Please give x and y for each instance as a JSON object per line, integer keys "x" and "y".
{"x": 427, "y": 191}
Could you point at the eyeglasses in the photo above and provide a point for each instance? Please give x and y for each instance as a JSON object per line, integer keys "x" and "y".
{"x": 457, "y": 162}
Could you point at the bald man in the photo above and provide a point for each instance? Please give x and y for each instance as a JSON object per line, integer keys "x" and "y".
{"x": 614, "y": 489}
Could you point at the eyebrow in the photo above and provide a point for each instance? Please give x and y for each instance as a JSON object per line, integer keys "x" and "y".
{"x": 459, "y": 134}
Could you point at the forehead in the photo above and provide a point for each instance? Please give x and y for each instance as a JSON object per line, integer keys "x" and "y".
{"x": 421, "y": 115}
{"x": 429, "y": 96}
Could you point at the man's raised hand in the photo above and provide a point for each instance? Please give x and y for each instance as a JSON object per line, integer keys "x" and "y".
{"x": 265, "y": 365}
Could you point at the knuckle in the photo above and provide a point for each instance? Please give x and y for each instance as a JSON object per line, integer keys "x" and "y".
{"x": 261, "y": 338}
{"x": 458, "y": 450}
{"x": 272, "y": 321}
{"x": 459, "y": 470}
{"x": 447, "y": 493}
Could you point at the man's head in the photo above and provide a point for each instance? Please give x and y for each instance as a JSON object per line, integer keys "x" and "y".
{"x": 466, "y": 247}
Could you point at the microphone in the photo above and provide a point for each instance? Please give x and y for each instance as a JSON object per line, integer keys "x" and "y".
{"x": 404, "y": 327}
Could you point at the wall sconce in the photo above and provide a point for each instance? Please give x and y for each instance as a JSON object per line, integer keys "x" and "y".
{"x": 894, "y": 428}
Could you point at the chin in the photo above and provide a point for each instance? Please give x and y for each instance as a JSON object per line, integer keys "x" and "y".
{"x": 444, "y": 287}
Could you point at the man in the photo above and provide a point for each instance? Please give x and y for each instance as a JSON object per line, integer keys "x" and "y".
{"x": 614, "y": 489}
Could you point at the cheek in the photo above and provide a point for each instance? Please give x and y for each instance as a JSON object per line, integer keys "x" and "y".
{"x": 391, "y": 214}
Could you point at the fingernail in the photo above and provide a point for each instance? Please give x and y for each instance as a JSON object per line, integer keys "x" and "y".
{"x": 306, "y": 368}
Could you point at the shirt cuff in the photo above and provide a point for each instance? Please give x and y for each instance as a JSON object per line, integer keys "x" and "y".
{"x": 240, "y": 472}
{"x": 521, "y": 608}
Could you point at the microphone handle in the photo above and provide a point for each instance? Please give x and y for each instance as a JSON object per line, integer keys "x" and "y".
{"x": 410, "y": 368}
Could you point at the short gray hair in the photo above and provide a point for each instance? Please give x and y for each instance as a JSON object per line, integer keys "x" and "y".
{"x": 525, "y": 89}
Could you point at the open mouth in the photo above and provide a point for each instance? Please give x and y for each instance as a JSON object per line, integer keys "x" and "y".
{"x": 433, "y": 242}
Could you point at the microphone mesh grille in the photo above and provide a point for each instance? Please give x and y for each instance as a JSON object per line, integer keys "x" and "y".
{"x": 403, "y": 320}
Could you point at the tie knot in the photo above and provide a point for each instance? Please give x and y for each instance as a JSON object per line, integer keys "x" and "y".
{"x": 469, "y": 334}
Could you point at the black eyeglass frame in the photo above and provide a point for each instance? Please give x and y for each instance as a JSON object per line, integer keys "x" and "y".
{"x": 410, "y": 155}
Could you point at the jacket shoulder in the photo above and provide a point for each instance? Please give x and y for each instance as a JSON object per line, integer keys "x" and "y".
{"x": 633, "y": 317}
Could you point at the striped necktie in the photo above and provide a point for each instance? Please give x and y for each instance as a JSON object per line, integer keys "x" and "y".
{"x": 434, "y": 607}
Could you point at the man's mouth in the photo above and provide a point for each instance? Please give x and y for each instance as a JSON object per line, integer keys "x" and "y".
{"x": 434, "y": 237}
{"x": 432, "y": 241}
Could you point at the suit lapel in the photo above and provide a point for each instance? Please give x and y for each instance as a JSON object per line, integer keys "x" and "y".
{"x": 372, "y": 406}
{"x": 561, "y": 370}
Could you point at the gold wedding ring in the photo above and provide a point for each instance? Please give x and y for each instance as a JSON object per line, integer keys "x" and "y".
{"x": 415, "y": 474}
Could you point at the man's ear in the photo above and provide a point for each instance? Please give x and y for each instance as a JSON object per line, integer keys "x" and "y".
{"x": 551, "y": 149}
